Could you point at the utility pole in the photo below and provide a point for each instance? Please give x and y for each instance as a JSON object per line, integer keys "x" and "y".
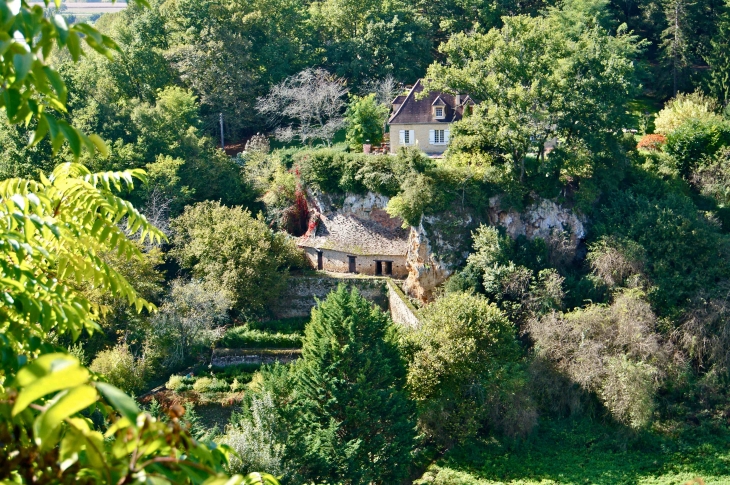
{"x": 223, "y": 145}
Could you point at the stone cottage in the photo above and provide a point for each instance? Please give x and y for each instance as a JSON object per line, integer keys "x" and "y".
{"x": 424, "y": 123}
{"x": 359, "y": 238}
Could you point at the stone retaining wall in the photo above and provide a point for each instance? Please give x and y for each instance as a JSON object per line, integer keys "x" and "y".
{"x": 401, "y": 310}
{"x": 225, "y": 357}
{"x": 298, "y": 299}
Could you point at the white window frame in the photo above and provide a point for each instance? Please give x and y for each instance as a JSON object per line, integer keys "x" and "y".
{"x": 436, "y": 112}
{"x": 439, "y": 137}
{"x": 407, "y": 137}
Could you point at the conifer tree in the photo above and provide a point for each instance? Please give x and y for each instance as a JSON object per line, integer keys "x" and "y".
{"x": 719, "y": 59}
{"x": 354, "y": 423}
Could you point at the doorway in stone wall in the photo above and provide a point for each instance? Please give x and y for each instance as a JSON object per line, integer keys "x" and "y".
{"x": 320, "y": 261}
{"x": 378, "y": 268}
{"x": 388, "y": 267}
{"x": 352, "y": 261}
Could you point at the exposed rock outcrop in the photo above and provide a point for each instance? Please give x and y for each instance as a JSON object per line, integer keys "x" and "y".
{"x": 541, "y": 219}
{"x": 441, "y": 243}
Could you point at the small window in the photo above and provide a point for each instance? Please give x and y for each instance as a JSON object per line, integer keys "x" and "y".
{"x": 439, "y": 137}
{"x": 439, "y": 112}
{"x": 407, "y": 137}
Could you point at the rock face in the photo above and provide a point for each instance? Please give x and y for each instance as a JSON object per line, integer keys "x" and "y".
{"x": 541, "y": 219}
{"x": 441, "y": 243}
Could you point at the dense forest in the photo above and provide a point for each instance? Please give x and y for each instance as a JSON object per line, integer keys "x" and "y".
{"x": 158, "y": 165}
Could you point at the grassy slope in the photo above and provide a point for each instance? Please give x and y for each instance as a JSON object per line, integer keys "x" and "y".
{"x": 582, "y": 452}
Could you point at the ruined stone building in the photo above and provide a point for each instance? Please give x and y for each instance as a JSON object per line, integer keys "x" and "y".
{"x": 360, "y": 237}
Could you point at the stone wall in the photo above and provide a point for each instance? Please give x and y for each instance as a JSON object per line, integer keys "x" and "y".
{"x": 225, "y": 357}
{"x": 298, "y": 299}
{"x": 338, "y": 262}
{"x": 401, "y": 310}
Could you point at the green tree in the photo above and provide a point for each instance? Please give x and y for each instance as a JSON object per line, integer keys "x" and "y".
{"x": 718, "y": 58}
{"x": 365, "y": 119}
{"x": 232, "y": 251}
{"x": 53, "y": 233}
{"x": 371, "y": 39}
{"x": 353, "y": 421}
{"x": 556, "y": 76}
{"x": 463, "y": 353}
{"x": 51, "y": 237}
{"x": 189, "y": 320}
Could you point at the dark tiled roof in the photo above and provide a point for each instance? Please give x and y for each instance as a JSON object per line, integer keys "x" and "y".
{"x": 414, "y": 110}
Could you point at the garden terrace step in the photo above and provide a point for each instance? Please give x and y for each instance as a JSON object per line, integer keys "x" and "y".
{"x": 226, "y": 357}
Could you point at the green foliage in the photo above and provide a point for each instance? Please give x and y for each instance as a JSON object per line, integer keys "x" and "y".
{"x": 514, "y": 274}
{"x": 54, "y": 231}
{"x": 576, "y": 451}
{"x": 611, "y": 350}
{"x": 361, "y": 40}
{"x": 695, "y": 139}
{"x": 244, "y": 337}
{"x": 174, "y": 383}
{"x": 684, "y": 249}
{"x": 189, "y": 321}
{"x": 230, "y": 251}
{"x": 462, "y": 355}
{"x": 254, "y": 438}
{"x": 683, "y": 108}
{"x": 365, "y": 120}
{"x": 208, "y": 384}
{"x": 539, "y": 78}
{"x": 351, "y": 418}
{"x": 120, "y": 368}
{"x": 34, "y": 90}
{"x": 285, "y": 325}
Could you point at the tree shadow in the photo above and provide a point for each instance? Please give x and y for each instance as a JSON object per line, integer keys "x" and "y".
{"x": 580, "y": 451}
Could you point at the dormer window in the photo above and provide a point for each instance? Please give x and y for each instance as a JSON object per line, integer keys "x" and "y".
{"x": 439, "y": 112}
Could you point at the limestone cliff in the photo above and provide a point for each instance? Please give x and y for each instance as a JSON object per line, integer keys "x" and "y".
{"x": 441, "y": 243}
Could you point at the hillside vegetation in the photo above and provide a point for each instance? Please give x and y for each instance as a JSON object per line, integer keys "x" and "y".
{"x": 134, "y": 247}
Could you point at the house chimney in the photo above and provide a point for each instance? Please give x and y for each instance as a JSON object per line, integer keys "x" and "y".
{"x": 458, "y": 100}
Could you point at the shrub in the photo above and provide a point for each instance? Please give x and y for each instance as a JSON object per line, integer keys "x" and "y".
{"x": 617, "y": 262}
{"x": 209, "y": 384}
{"x": 175, "y": 383}
{"x": 120, "y": 368}
{"x": 695, "y": 140}
{"x": 463, "y": 355}
{"x": 685, "y": 107}
{"x": 613, "y": 351}
{"x": 231, "y": 251}
{"x": 321, "y": 169}
{"x": 254, "y": 439}
{"x": 190, "y": 320}
{"x": 652, "y": 142}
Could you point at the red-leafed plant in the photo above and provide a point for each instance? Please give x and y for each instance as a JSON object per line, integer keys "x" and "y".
{"x": 653, "y": 141}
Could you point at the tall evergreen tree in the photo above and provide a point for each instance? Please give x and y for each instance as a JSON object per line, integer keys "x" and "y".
{"x": 719, "y": 60}
{"x": 354, "y": 423}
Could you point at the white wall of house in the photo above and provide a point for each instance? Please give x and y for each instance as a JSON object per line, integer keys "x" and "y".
{"x": 338, "y": 262}
{"x": 421, "y": 135}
